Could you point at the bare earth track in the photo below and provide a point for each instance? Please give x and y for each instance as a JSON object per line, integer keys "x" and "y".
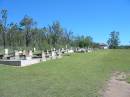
{"x": 117, "y": 87}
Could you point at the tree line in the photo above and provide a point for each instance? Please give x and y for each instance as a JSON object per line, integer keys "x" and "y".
{"x": 26, "y": 35}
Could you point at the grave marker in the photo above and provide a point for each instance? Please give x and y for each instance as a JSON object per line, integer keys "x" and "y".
{"x": 43, "y": 56}
{"x": 17, "y": 55}
{"x": 53, "y": 55}
{"x": 59, "y": 54}
{"x": 29, "y": 55}
{"x": 6, "y": 52}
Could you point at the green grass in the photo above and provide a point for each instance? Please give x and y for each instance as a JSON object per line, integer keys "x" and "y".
{"x": 78, "y": 75}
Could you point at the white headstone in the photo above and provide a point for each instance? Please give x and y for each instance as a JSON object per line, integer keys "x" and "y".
{"x": 30, "y": 53}
{"x": 24, "y": 52}
{"x": 20, "y": 52}
{"x": 47, "y": 52}
{"x": 17, "y": 55}
{"x": 53, "y": 54}
{"x": 34, "y": 49}
{"x": 43, "y": 56}
{"x": 29, "y": 56}
{"x": 48, "y": 56}
{"x": 62, "y": 50}
{"x": 70, "y": 51}
{"x": 54, "y": 49}
{"x": 59, "y": 54}
{"x": 6, "y": 52}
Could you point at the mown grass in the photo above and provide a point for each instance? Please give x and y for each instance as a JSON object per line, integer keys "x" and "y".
{"x": 78, "y": 75}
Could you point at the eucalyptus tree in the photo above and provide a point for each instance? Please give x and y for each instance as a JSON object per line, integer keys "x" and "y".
{"x": 67, "y": 37}
{"x": 27, "y": 34}
{"x": 4, "y": 14}
{"x": 27, "y": 23}
{"x": 88, "y": 41}
{"x": 83, "y": 41}
{"x": 113, "y": 41}
{"x": 14, "y": 36}
{"x": 45, "y": 38}
{"x": 1, "y": 33}
{"x": 55, "y": 32}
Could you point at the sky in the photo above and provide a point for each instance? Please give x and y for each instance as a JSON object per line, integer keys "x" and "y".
{"x": 96, "y": 18}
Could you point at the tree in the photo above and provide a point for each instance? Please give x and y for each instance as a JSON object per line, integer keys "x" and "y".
{"x": 68, "y": 36}
{"x": 14, "y": 36}
{"x": 4, "y": 21}
{"x": 56, "y": 33}
{"x": 26, "y": 35}
{"x": 1, "y": 33}
{"x": 83, "y": 41}
{"x": 113, "y": 41}
{"x": 96, "y": 45}
{"x": 88, "y": 41}
{"x": 27, "y": 22}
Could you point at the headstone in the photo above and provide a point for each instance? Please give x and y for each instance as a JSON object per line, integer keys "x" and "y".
{"x": 48, "y": 55}
{"x": 43, "y": 56}
{"x": 62, "y": 50}
{"x": 47, "y": 52}
{"x": 34, "y": 49}
{"x": 24, "y": 52}
{"x": 29, "y": 55}
{"x": 71, "y": 50}
{"x": 20, "y": 52}
{"x": 59, "y": 54}
{"x": 89, "y": 50}
{"x": 54, "y": 49}
{"x": 17, "y": 55}
{"x": 53, "y": 55}
{"x": 6, "y": 52}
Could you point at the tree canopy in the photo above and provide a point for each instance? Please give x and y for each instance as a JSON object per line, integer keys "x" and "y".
{"x": 113, "y": 41}
{"x": 26, "y": 34}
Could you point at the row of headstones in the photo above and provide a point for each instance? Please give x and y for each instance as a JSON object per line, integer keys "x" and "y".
{"x": 53, "y": 54}
{"x": 30, "y": 53}
{"x": 85, "y": 50}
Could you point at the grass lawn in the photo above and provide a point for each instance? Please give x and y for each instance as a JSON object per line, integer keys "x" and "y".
{"x": 78, "y": 75}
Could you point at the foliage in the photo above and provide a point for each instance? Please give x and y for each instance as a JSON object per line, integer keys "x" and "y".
{"x": 113, "y": 41}
{"x": 26, "y": 35}
{"x": 124, "y": 47}
{"x": 3, "y": 23}
{"x": 83, "y": 42}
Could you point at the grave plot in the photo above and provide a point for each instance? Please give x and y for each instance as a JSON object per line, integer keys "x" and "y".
{"x": 26, "y": 58}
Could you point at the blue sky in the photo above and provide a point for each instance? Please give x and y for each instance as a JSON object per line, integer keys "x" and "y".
{"x": 96, "y": 18}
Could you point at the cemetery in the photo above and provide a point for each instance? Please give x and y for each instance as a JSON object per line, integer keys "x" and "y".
{"x": 25, "y": 58}
{"x": 29, "y": 57}
{"x": 64, "y": 48}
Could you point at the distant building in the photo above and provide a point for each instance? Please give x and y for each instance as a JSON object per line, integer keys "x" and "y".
{"x": 103, "y": 46}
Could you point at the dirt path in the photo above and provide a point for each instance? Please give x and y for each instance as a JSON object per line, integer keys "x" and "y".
{"x": 117, "y": 87}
